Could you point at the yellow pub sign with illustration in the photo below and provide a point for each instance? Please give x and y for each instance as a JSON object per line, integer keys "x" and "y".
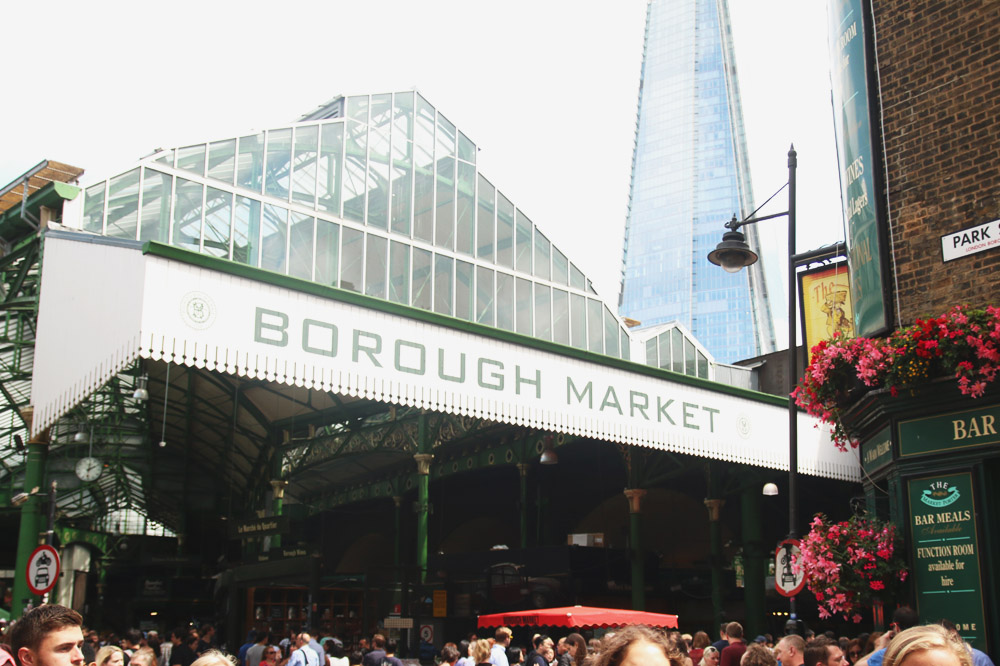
{"x": 826, "y": 304}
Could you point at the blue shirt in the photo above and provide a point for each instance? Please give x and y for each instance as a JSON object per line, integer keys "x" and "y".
{"x": 498, "y": 655}
{"x": 979, "y": 658}
{"x": 318, "y": 649}
{"x": 303, "y": 657}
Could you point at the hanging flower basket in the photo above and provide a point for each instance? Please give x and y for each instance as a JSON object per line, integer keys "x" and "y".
{"x": 963, "y": 343}
{"x": 851, "y": 565}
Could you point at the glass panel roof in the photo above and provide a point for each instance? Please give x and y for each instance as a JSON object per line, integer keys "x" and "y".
{"x": 385, "y": 166}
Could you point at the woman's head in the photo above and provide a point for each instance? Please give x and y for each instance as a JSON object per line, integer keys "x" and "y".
{"x": 700, "y": 640}
{"x": 920, "y": 646}
{"x": 853, "y": 651}
{"x": 214, "y": 658}
{"x": 758, "y": 655}
{"x": 638, "y": 645}
{"x": 110, "y": 655}
{"x": 710, "y": 657}
{"x": 677, "y": 639}
{"x": 481, "y": 651}
{"x": 577, "y": 647}
{"x": 272, "y": 653}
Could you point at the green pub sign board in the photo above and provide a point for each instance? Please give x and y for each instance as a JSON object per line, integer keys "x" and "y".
{"x": 959, "y": 430}
{"x": 876, "y": 452}
{"x": 945, "y": 553}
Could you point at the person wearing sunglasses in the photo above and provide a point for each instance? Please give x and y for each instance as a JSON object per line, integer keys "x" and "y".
{"x": 272, "y": 656}
{"x": 853, "y": 650}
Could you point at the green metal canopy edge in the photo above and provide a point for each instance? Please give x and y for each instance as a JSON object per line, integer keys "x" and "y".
{"x": 13, "y": 224}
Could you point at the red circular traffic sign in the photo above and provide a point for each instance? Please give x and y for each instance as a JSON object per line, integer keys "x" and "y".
{"x": 789, "y": 576}
{"x": 43, "y": 569}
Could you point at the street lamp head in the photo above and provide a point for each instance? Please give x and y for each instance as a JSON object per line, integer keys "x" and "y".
{"x": 732, "y": 253}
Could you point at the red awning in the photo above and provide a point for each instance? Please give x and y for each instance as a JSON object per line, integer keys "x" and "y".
{"x": 577, "y": 616}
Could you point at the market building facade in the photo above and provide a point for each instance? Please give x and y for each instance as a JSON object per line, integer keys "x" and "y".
{"x": 329, "y": 366}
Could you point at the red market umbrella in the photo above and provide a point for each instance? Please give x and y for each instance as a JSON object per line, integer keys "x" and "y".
{"x": 577, "y": 616}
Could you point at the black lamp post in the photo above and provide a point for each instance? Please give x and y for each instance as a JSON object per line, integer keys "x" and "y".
{"x": 733, "y": 254}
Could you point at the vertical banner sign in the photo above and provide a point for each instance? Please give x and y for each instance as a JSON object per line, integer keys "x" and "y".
{"x": 440, "y": 608}
{"x": 857, "y": 167}
{"x": 945, "y": 553}
{"x": 825, "y": 303}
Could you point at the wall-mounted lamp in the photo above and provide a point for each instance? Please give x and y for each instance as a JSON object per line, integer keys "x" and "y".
{"x": 141, "y": 393}
{"x": 770, "y": 489}
{"x": 549, "y": 455}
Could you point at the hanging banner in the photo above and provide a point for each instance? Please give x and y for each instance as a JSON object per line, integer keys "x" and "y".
{"x": 945, "y": 553}
{"x": 856, "y": 153}
{"x": 825, "y": 303}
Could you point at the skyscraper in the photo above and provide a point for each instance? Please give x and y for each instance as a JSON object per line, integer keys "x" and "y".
{"x": 690, "y": 174}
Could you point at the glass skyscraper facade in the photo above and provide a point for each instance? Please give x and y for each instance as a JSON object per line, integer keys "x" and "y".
{"x": 689, "y": 176}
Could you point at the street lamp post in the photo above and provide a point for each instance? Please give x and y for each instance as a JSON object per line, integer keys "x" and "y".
{"x": 732, "y": 254}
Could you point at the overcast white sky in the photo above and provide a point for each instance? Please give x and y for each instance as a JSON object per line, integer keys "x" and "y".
{"x": 546, "y": 89}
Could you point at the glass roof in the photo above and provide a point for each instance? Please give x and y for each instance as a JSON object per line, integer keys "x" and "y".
{"x": 377, "y": 194}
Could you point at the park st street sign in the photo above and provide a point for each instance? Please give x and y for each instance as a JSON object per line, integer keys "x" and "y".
{"x": 970, "y": 241}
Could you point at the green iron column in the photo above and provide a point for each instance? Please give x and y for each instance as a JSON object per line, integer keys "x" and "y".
{"x": 754, "y": 569}
{"x": 638, "y": 559}
{"x": 522, "y": 469}
{"x": 423, "y": 458}
{"x": 714, "y": 507}
{"x": 29, "y": 535}
{"x": 277, "y": 506}
{"x": 397, "y": 502}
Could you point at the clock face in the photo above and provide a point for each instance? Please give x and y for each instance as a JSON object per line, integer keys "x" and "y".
{"x": 89, "y": 469}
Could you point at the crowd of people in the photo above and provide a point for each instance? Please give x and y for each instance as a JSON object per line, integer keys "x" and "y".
{"x": 52, "y": 635}
{"x": 631, "y": 646}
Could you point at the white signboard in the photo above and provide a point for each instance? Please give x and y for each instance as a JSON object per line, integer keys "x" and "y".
{"x": 970, "y": 241}
{"x": 226, "y": 323}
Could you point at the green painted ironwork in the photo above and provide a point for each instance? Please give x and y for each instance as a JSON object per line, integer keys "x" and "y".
{"x": 31, "y": 524}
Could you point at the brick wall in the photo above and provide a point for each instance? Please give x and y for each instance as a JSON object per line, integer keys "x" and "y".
{"x": 939, "y": 67}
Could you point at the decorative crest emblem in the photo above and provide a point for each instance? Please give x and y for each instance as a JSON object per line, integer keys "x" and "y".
{"x": 198, "y": 310}
{"x": 940, "y": 494}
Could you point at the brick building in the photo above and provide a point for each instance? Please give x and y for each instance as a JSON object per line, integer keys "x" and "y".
{"x": 916, "y": 86}
{"x": 939, "y": 73}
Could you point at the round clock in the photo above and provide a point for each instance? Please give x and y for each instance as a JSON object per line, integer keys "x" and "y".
{"x": 89, "y": 469}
